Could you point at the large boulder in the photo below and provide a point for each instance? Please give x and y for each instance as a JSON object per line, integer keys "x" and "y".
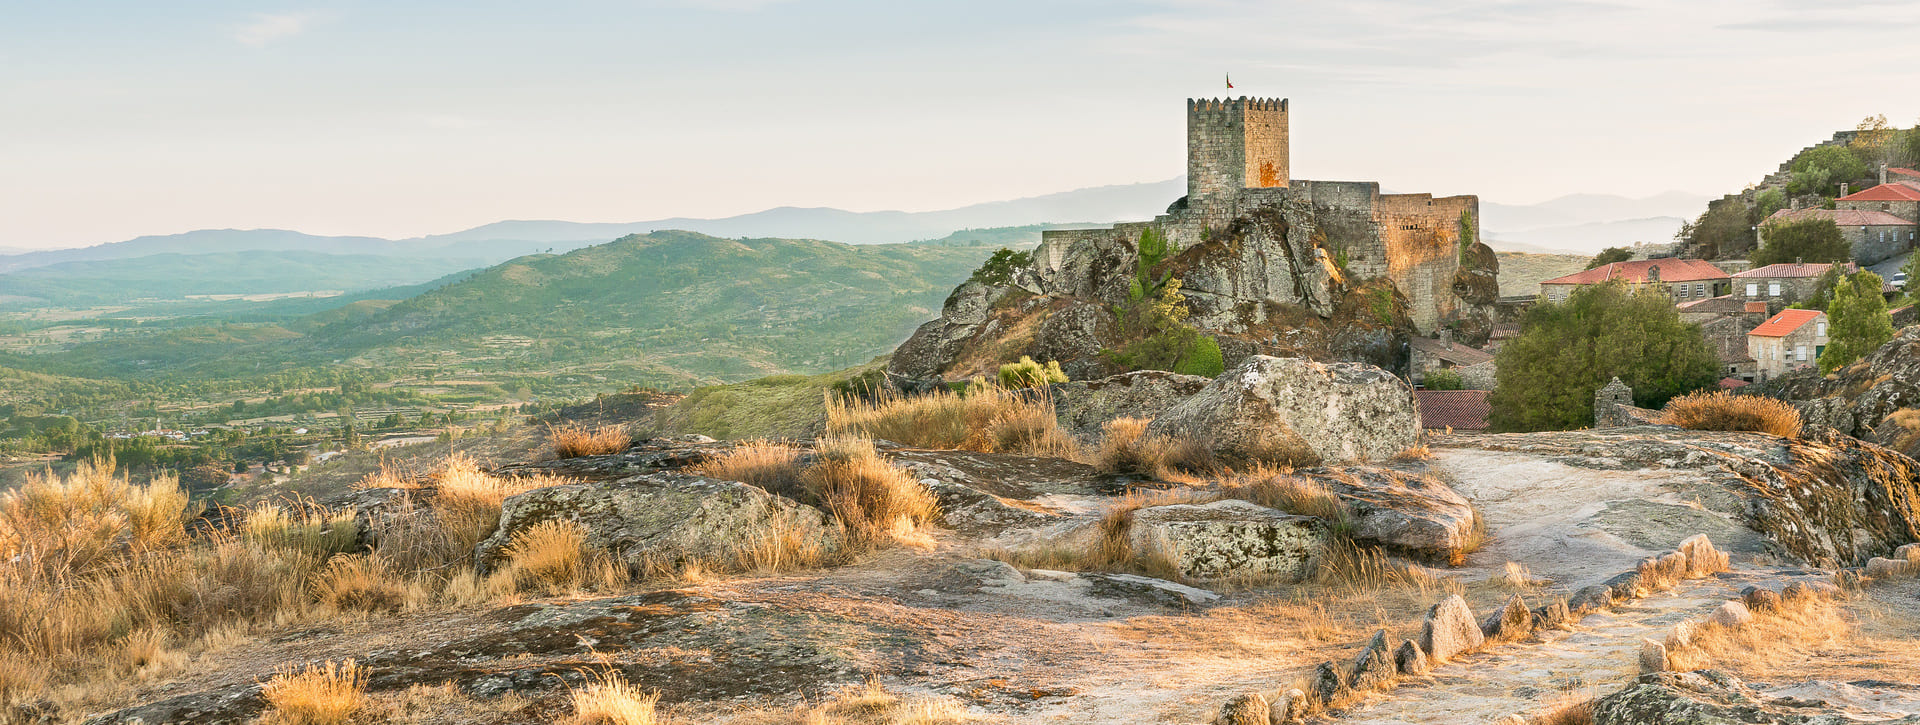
{"x": 1298, "y": 411}
{"x": 1419, "y": 515}
{"x": 1874, "y": 399}
{"x": 1707, "y": 696}
{"x": 1073, "y": 334}
{"x": 1449, "y": 630}
{"x": 1230, "y": 538}
{"x": 1083, "y": 406}
{"x": 662, "y": 518}
{"x": 934, "y": 344}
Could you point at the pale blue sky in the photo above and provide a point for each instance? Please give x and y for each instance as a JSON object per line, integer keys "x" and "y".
{"x": 407, "y": 118}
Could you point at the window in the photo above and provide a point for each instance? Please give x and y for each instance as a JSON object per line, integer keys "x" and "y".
{"x": 1773, "y": 289}
{"x": 1820, "y": 329}
{"x": 1699, "y": 289}
{"x": 1800, "y": 353}
{"x": 1753, "y": 289}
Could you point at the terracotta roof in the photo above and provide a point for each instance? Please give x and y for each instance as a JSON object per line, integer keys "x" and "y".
{"x": 1456, "y": 409}
{"x": 1885, "y": 192}
{"x": 1911, "y": 177}
{"x": 1459, "y": 354}
{"x": 1785, "y": 323}
{"x": 1789, "y": 269}
{"x": 1842, "y": 217}
{"x": 1671, "y": 270}
{"x": 1731, "y": 383}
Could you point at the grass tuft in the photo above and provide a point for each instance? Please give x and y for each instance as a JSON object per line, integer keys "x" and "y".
{"x": 873, "y": 500}
{"x": 551, "y": 554}
{"x": 773, "y": 467}
{"x": 984, "y": 418}
{"x": 574, "y": 440}
{"x": 330, "y": 693}
{"x": 608, "y": 699}
{"x": 1720, "y": 410}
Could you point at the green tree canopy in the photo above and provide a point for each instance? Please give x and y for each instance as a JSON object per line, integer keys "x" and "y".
{"x": 999, "y": 269}
{"x": 1810, "y": 241}
{"x": 1857, "y": 321}
{"x": 1725, "y": 229}
{"x": 1547, "y": 376}
{"x": 1768, "y": 202}
{"x": 1822, "y": 293}
{"x": 1821, "y": 169}
{"x": 1609, "y": 256}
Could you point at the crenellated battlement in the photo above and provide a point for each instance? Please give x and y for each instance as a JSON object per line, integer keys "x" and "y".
{"x": 1210, "y": 105}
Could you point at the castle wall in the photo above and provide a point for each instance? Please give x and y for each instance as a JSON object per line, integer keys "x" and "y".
{"x": 1421, "y": 237}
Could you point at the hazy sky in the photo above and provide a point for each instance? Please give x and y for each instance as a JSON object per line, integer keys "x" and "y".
{"x": 407, "y": 118}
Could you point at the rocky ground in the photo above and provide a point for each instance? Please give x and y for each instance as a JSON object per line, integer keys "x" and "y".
{"x": 1561, "y": 512}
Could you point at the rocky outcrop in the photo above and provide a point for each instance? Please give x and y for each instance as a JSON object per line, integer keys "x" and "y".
{"x": 1292, "y": 410}
{"x": 1876, "y": 399}
{"x": 1826, "y": 499}
{"x": 1073, "y": 334}
{"x": 1707, "y": 696}
{"x": 935, "y": 343}
{"x": 1083, "y": 406}
{"x": 1230, "y": 538}
{"x": 662, "y": 518}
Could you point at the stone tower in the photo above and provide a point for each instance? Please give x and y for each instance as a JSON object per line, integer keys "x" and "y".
{"x": 1234, "y": 144}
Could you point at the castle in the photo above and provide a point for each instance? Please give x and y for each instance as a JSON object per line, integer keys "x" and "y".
{"x": 1284, "y": 240}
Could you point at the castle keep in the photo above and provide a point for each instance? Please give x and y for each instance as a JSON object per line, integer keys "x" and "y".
{"x": 1257, "y": 237}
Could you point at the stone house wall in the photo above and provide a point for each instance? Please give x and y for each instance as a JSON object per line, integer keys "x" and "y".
{"x": 1908, "y": 210}
{"x": 1776, "y": 356}
{"x": 1874, "y": 244}
{"x": 1791, "y": 290}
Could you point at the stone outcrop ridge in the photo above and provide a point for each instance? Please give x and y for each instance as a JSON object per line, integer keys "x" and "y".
{"x": 1230, "y": 538}
{"x": 1084, "y": 406}
{"x": 1707, "y": 696}
{"x": 1299, "y": 411}
{"x": 1826, "y": 499}
{"x": 1450, "y": 632}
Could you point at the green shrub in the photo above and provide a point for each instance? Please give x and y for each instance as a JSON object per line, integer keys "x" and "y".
{"x": 1030, "y": 374}
{"x": 999, "y": 269}
{"x": 1444, "y": 379}
{"x": 1203, "y": 359}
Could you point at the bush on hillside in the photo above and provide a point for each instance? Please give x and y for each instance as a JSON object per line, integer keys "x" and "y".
{"x": 1443, "y": 379}
{"x": 1609, "y": 256}
{"x": 1720, "y": 410}
{"x": 999, "y": 269}
{"x": 1029, "y": 374}
{"x": 1858, "y": 321}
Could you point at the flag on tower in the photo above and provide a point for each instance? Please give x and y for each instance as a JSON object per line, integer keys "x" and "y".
{"x": 1229, "y": 80}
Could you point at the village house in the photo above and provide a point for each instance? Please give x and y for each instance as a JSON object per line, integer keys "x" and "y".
{"x": 1897, "y": 175}
{"x": 1780, "y": 285}
{"x": 1427, "y": 354}
{"x": 1789, "y": 341}
{"x": 1684, "y": 280}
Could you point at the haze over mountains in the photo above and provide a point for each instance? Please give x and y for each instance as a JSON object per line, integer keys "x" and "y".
{"x": 1580, "y": 223}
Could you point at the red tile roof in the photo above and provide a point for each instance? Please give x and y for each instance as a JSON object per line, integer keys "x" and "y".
{"x": 1456, "y": 409}
{"x": 1785, "y": 323}
{"x": 1885, "y": 192}
{"x": 1842, "y": 217}
{"x": 1671, "y": 270}
{"x": 1789, "y": 269}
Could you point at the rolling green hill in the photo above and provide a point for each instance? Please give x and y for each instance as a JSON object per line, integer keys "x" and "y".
{"x": 670, "y": 309}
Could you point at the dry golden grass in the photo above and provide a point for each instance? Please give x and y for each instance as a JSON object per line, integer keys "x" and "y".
{"x": 359, "y": 583}
{"x": 985, "y": 418}
{"x": 1125, "y": 447}
{"x": 1415, "y": 452}
{"x": 574, "y": 440}
{"x": 465, "y": 510}
{"x": 1793, "y": 633}
{"x": 1350, "y": 567}
{"x": 873, "y": 500}
{"x": 770, "y": 466}
{"x": 392, "y": 474}
{"x": 550, "y": 554}
{"x": 325, "y": 694}
{"x": 608, "y": 699}
{"x": 1575, "y": 710}
{"x": 301, "y": 526}
{"x": 1276, "y": 488}
{"x": 1720, "y": 410}
{"x": 868, "y": 704}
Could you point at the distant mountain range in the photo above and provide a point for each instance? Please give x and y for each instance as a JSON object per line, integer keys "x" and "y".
{"x": 1580, "y": 223}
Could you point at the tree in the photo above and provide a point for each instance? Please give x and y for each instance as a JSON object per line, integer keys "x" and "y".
{"x": 1810, "y": 241}
{"x": 1443, "y": 379}
{"x": 1857, "y": 321}
{"x": 999, "y": 269}
{"x": 1911, "y": 269}
{"x": 1769, "y": 201}
{"x": 1609, "y": 256}
{"x": 1724, "y": 230}
{"x": 1821, "y": 169}
{"x": 1547, "y": 376}
{"x": 1874, "y": 142}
